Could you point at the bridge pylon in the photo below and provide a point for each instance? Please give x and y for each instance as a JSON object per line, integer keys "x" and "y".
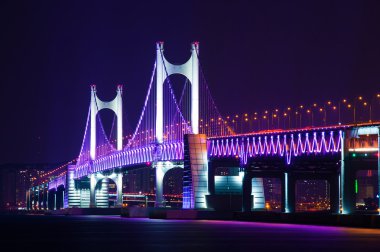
{"x": 190, "y": 70}
{"x": 116, "y": 105}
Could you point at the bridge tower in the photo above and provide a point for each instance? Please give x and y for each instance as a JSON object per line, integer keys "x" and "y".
{"x": 116, "y": 105}
{"x": 190, "y": 70}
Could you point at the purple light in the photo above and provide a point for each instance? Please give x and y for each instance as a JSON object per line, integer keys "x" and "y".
{"x": 170, "y": 151}
{"x": 57, "y": 181}
{"x": 275, "y": 145}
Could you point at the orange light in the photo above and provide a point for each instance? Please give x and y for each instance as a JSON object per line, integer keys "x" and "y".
{"x": 314, "y": 104}
{"x": 344, "y": 100}
{"x": 274, "y": 115}
{"x": 378, "y": 95}
{"x": 360, "y": 98}
{"x": 329, "y": 102}
{"x": 289, "y": 108}
{"x": 349, "y": 106}
{"x": 334, "y": 108}
{"x": 365, "y": 104}
{"x": 301, "y": 106}
{"x": 321, "y": 109}
{"x": 308, "y": 111}
{"x": 285, "y": 114}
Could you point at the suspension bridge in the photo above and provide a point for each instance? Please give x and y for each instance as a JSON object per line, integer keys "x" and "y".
{"x": 187, "y": 131}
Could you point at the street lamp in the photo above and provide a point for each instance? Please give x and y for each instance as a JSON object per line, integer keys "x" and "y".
{"x": 265, "y": 117}
{"x": 258, "y": 122}
{"x": 309, "y": 111}
{"x": 285, "y": 115}
{"x": 370, "y": 106}
{"x": 360, "y": 98}
{"x": 272, "y": 116}
{"x": 324, "y": 116}
{"x": 334, "y": 108}
{"x": 339, "y": 119}
{"x": 349, "y": 106}
{"x": 301, "y": 108}
{"x": 365, "y": 104}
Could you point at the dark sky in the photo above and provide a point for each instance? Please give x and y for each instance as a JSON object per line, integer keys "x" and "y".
{"x": 255, "y": 55}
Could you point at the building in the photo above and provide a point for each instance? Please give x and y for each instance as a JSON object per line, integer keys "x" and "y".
{"x": 16, "y": 179}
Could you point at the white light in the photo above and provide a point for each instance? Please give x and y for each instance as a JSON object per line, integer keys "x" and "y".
{"x": 363, "y": 150}
{"x": 368, "y": 131}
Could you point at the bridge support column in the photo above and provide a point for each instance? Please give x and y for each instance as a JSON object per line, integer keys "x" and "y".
{"x": 378, "y": 168}
{"x": 92, "y": 190}
{"x": 347, "y": 178}
{"x": 334, "y": 194}
{"x": 46, "y": 197}
{"x": 258, "y": 194}
{"x": 119, "y": 188}
{"x": 195, "y": 179}
{"x": 55, "y": 201}
{"x": 161, "y": 169}
{"x": 27, "y": 197}
{"x": 72, "y": 197}
{"x": 247, "y": 192}
{"x": 288, "y": 193}
{"x": 38, "y": 198}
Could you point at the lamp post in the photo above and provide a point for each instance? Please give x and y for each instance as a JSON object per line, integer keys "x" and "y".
{"x": 370, "y": 106}
{"x": 360, "y": 98}
{"x": 273, "y": 115}
{"x": 258, "y": 122}
{"x": 328, "y": 104}
{"x": 324, "y": 115}
{"x": 339, "y": 117}
{"x": 334, "y": 108}
{"x": 265, "y": 117}
{"x": 289, "y": 110}
{"x": 349, "y": 106}
{"x": 365, "y": 104}
{"x": 301, "y": 108}
{"x": 310, "y": 111}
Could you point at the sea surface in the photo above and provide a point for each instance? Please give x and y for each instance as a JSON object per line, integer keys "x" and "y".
{"x": 113, "y": 233}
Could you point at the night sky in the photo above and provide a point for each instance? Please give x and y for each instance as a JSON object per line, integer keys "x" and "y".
{"x": 255, "y": 55}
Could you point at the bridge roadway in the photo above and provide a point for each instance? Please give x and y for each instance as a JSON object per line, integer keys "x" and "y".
{"x": 310, "y": 153}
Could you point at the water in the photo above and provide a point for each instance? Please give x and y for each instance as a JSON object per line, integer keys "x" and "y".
{"x": 106, "y": 233}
